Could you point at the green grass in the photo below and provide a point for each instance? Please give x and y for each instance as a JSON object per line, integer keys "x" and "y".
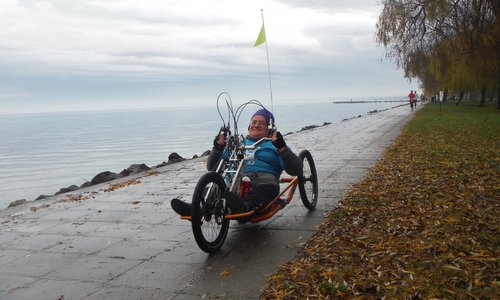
{"x": 448, "y": 117}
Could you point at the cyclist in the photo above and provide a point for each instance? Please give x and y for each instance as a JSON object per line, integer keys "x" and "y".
{"x": 268, "y": 161}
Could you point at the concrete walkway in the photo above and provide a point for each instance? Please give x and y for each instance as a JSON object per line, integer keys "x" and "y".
{"x": 127, "y": 243}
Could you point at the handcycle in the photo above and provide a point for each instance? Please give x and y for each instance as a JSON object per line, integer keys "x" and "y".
{"x": 210, "y": 217}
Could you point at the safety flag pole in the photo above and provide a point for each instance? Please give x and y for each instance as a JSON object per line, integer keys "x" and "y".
{"x": 261, "y": 39}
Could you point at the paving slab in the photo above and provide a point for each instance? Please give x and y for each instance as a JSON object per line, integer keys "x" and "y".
{"x": 127, "y": 243}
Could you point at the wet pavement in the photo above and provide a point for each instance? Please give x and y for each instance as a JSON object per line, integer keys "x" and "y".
{"x": 121, "y": 240}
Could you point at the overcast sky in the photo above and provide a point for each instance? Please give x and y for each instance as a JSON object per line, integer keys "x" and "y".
{"x": 58, "y": 55}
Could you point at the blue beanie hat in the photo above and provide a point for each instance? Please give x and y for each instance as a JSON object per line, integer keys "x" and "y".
{"x": 266, "y": 114}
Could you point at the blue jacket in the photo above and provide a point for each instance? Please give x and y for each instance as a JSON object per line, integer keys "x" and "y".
{"x": 264, "y": 159}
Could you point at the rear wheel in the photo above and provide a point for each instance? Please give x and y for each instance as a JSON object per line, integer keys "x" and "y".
{"x": 308, "y": 183}
{"x": 207, "y": 213}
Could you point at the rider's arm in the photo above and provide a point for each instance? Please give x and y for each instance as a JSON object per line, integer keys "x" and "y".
{"x": 214, "y": 158}
{"x": 293, "y": 164}
{"x": 216, "y": 153}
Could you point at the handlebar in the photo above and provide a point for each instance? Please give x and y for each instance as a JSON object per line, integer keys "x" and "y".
{"x": 254, "y": 145}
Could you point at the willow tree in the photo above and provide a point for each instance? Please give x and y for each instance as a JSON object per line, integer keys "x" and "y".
{"x": 454, "y": 41}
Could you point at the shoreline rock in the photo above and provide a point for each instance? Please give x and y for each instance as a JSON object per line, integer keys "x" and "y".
{"x": 134, "y": 168}
{"x": 313, "y": 126}
{"x": 104, "y": 177}
{"x": 17, "y": 203}
{"x": 174, "y": 158}
{"x": 67, "y": 189}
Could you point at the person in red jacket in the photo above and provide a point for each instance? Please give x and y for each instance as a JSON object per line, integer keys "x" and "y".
{"x": 411, "y": 99}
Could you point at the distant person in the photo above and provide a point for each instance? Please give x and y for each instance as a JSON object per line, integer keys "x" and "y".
{"x": 411, "y": 99}
{"x": 269, "y": 159}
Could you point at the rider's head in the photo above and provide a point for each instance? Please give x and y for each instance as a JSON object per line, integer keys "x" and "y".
{"x": 260, "y": 123}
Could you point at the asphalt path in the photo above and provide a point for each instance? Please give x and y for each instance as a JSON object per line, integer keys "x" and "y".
{"x": 127, "y": 243}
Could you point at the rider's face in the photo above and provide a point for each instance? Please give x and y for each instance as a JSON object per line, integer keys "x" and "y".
{"x": 258, "y": 127}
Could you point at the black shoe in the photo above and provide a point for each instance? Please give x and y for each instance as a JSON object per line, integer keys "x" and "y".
{"x": 235, "y": 204}
{"x": 181, "y": 207}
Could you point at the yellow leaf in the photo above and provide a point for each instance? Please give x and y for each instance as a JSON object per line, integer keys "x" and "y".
{"x": 378, "y": 247}
{"x": 340, "y": 294}
{"x": 226, "y": 272}
{"x": 452, "y": 268}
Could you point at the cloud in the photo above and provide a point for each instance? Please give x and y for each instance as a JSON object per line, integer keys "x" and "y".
{"x": 112, "y": 46}
{"x": 334, "y": 5}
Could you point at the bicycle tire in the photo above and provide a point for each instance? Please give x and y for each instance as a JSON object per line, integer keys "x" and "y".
{"x": 207, "y": 213}
{"x": 308, "y": 182}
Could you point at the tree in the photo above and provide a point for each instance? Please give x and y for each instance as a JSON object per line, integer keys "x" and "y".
{"x": 444, "y": 43}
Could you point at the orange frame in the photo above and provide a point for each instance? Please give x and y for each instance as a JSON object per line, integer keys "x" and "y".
{"x": 271, "y": 208}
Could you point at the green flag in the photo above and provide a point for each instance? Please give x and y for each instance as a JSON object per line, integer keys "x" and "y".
{"x": 261, "y": 39}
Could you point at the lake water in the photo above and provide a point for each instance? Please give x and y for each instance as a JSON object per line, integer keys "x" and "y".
{"x": 41, "y": 153}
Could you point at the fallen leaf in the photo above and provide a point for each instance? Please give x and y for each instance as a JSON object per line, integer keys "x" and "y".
{"x": 226, "y": 272}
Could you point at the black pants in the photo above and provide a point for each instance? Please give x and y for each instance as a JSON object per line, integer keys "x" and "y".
{"x": 261, "y": 195}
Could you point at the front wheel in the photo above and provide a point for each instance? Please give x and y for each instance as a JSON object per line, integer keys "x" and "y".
{"x": 308, "y": 183}
{"x": 207, "y": 213}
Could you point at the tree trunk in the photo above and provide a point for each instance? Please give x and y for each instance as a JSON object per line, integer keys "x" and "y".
{"x": 460, "y": 97}
{"x": 445, "y": 95}
{"x": 483, "y": 96}
{"x": 492, "y": 95}
{"x": 498, "y": 89}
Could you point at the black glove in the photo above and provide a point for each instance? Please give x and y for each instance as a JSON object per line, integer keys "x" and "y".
{"x": 279, "y": 142}
{"x": 218, "y": 146}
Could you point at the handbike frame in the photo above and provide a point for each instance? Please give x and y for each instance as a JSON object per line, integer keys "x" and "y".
{"x": 273, "y": 206}
{"x": 233, "y": 178}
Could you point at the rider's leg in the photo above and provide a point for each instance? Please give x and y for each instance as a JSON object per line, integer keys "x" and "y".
{"x": 261, "y": 195}
{"x": 235, "y": 204}
{"x": 257, "y": 197}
